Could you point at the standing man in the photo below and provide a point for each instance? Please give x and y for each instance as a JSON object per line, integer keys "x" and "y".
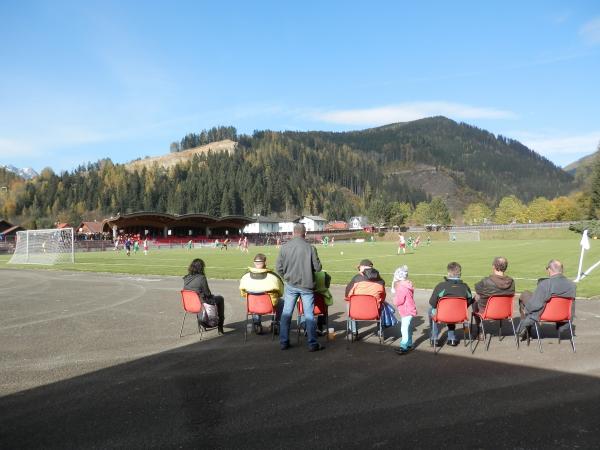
{"x": 532, "y": 305}
{"x": 297, "y": 263}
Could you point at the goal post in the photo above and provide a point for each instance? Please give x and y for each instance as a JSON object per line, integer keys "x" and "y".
{"x": 50, "y": 246}
{"x": 463, "y": 236}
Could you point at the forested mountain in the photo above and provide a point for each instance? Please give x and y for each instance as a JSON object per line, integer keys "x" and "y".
{"x": 583, "y": 168}
{"x": 478, "y": 160}
{"x": 333, "y": 174}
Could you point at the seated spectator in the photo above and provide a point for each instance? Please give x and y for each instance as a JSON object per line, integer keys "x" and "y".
{"x": 497, "y": 284}
{"x": 532, "y": 305}
{"x": 322, "y": 283}
{"x": 366, "y": 282}
{"x": 260, "y": 280}
{"x": 452, "y": 286}
{"x": 196, "y": 281}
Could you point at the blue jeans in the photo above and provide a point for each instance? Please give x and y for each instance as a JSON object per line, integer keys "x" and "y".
{"x": 406, "y": 330}
{"x": 434, "y": 330}
{"x": 290, "y": 296}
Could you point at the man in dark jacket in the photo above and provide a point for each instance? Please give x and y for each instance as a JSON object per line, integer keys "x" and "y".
{"x": 297, "y": 263}
{"x": 452, "y": 286}
{"x": 497, "y": 284}
{"x": 532, "y": 305}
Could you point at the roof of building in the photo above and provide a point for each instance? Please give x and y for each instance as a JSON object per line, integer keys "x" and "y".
{"x": 316, "y": 218}
{"x": 94, "y": 227}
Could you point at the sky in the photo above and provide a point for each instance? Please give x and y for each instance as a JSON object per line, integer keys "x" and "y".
{"x": 81, "y": 81}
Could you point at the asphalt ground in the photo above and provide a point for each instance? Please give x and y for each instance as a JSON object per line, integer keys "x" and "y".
{"x": 95, "y": 361}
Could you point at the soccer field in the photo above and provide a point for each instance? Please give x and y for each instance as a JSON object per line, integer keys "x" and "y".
{"x": 527, "y": 260}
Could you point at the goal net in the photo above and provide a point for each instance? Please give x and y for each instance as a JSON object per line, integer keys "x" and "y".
{"x": 51, "y": 246}
{"x": 461, "y": 236}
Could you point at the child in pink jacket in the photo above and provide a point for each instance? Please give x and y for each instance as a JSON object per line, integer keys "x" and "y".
{"x": 403, "y": 291}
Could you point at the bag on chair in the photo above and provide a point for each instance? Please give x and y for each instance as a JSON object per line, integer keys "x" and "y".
{"x": 209, "y": 316}
{"x": 388, "y": 319}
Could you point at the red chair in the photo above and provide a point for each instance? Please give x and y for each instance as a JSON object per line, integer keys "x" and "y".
{"x": 363, "y": 308}
{"x": 259, "y": 304}
{"x": 557, "y": 309}
{"x": 192, "y": 304}
{"x": 451, "y": 310}
{"x": 319, "y": 309}
{"x": 497, "y": 308}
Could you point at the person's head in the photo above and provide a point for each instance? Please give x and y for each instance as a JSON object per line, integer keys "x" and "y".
{"x": 554, "y": 267}
{"x": 299, "y": 229}
{"x": 196, "y": 267}
{"x": 401, "y": 273}
{"x": 364, "y": 264}
{"x": 500, "y": 264}
{"x": 454, "y": 270}
{"x": 260, "y": 261}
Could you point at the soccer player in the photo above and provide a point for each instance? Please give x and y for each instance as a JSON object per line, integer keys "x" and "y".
{"x": 401, "y": 243}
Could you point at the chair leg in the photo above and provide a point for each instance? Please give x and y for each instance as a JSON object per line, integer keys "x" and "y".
{"x": 298, "y": 327}
{"x": 514, "y": 332}
{"x": 537, "y": 333}
{"x": 246, "y": 329}
{"x": 273, "y": 327}
{"x": 572, "y": 337}
{"x": 182, "y": 323}
{"x": 486, "y": 341}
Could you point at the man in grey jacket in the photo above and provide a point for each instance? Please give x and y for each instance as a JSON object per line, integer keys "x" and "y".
{"x": 297, "y": 263}
{"x": 532, "y": 305}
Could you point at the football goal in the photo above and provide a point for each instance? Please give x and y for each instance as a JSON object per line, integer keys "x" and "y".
{"x": 461, "y": 236}
{"x": 51, "y": 246}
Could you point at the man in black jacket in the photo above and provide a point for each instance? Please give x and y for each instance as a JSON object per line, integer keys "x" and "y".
{"x": 297, "y": 263}
{"x": 452, "y": 286}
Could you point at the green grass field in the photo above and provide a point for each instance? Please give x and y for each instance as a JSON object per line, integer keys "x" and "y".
{"x": 527, "y": 259}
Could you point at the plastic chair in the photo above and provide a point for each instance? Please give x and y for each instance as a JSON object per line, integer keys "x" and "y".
{"x": 452, "y": 310}
{"x": 557, "y": 309}
{"x": 192, "y": 304}
{"x": 363, "y": 308}
{"x": 319, "y": 309}
{"x": 259, "y": 304}
{"x": 497, "y": 308}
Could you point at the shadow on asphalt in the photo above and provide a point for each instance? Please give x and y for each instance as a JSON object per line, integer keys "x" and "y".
{"x": 221, "y": 393}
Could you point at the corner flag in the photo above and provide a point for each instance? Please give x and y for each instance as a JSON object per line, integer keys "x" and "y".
{"x": 585, "y": 241}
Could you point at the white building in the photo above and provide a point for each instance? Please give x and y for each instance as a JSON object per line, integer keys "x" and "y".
{"x": 262, "y": 225}
{"x": 358, "y": 222}
{"x": 313, "y": 223}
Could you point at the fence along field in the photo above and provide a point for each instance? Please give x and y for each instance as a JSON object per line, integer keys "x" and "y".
{"x": 527, "y": 253}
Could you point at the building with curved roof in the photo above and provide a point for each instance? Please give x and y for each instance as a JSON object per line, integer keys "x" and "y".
{"x": 158, "y": 225}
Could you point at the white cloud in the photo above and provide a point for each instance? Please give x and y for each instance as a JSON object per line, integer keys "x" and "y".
{"x": 561, "y": 149}
{"x": 405, "y": 112}
{"x": 590, "y": 31}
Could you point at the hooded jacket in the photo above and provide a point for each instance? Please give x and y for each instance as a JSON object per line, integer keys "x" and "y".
{"x": 492, "y": 286}
{"x": 367, "y": 283}
{"x": 404, "y": 298}
{"x": 262, "y": 280}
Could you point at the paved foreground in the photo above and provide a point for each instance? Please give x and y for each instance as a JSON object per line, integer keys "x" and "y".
{"x": 95, "y": 361}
